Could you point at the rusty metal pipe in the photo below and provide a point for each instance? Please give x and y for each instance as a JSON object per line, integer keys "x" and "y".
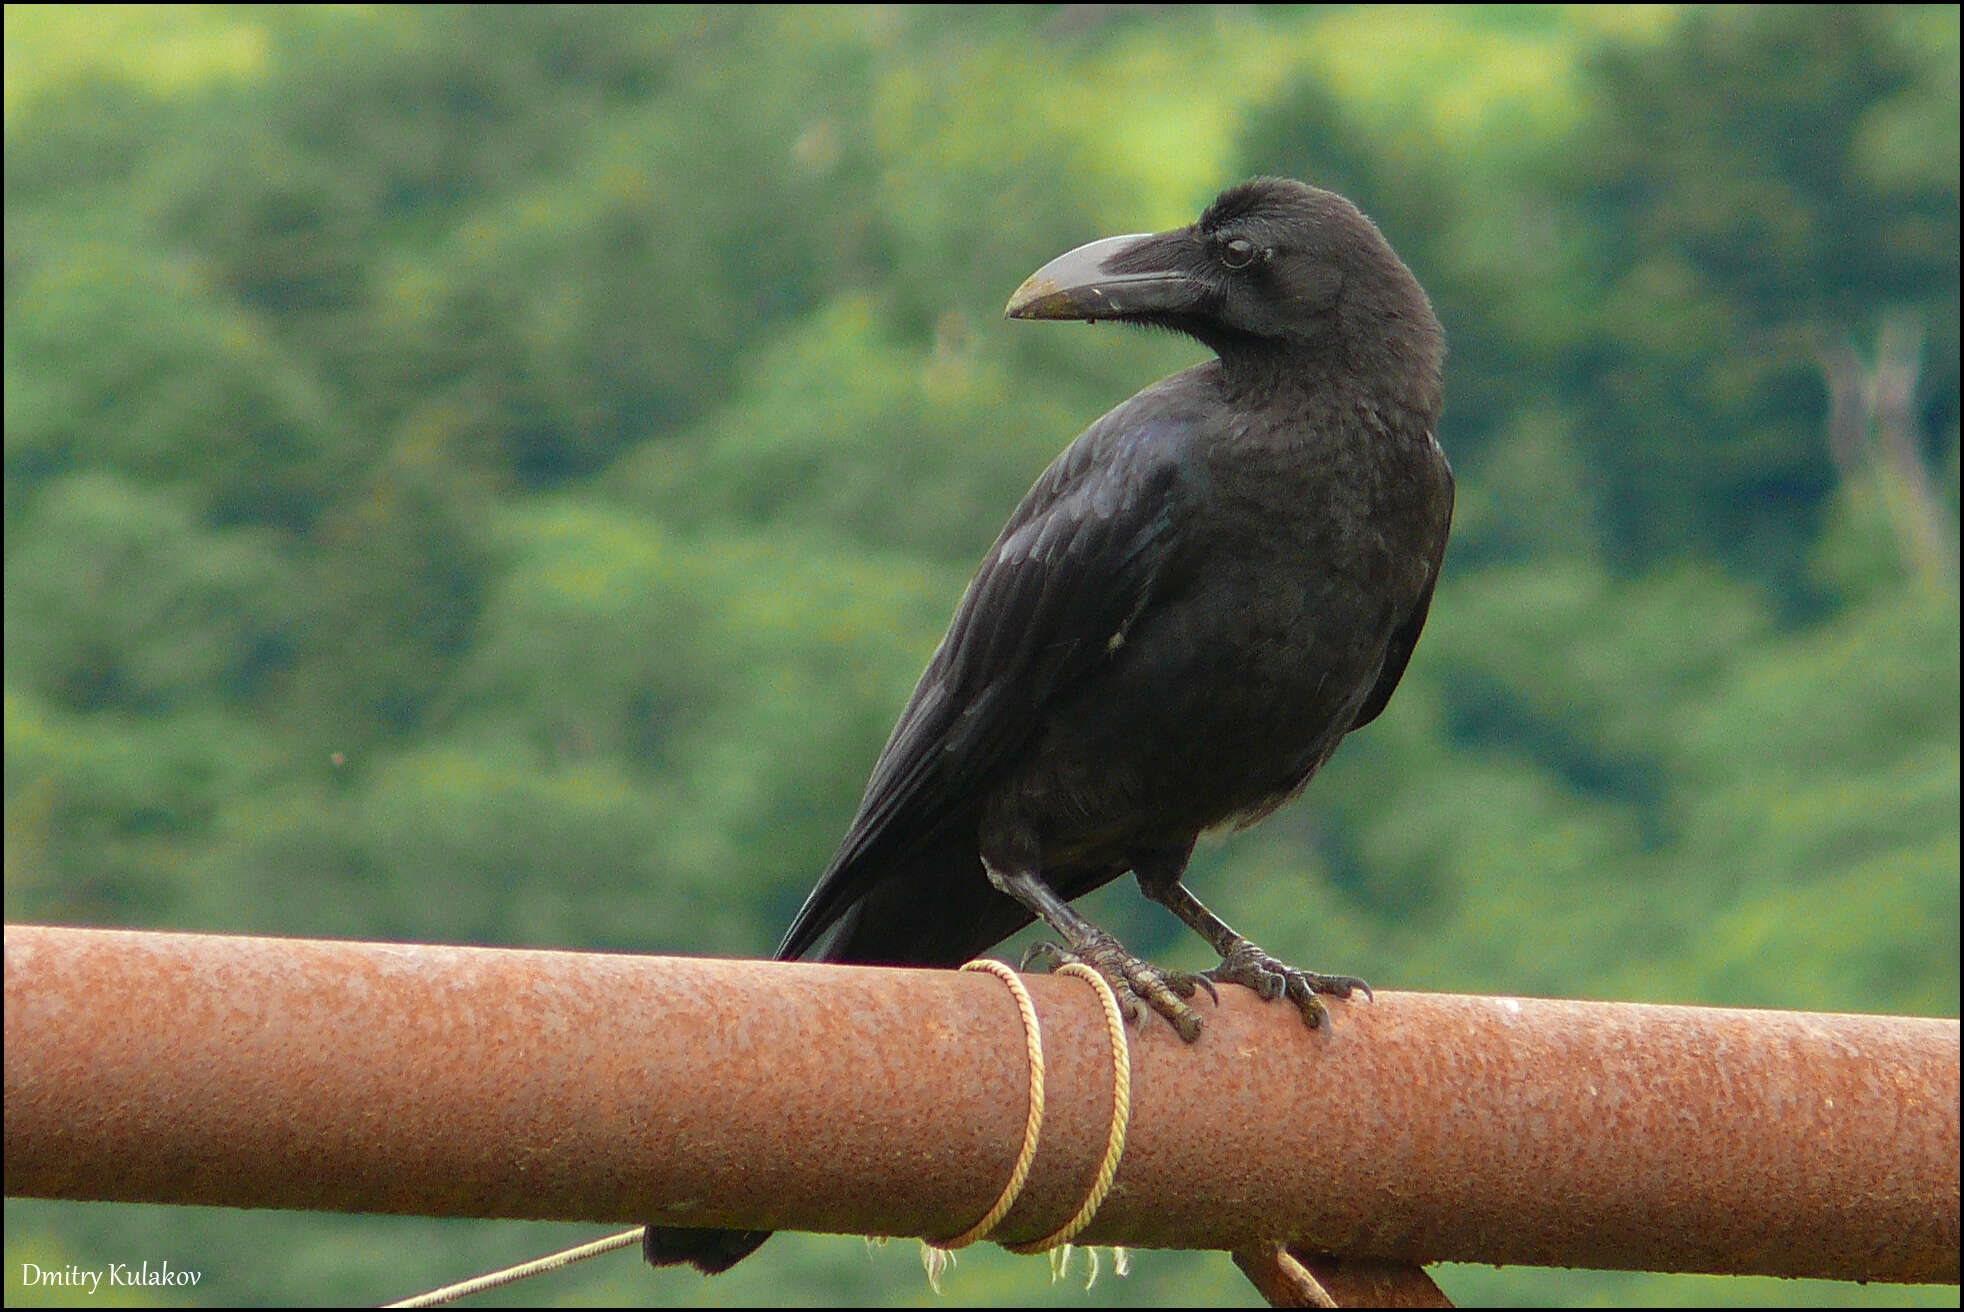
{"x": 448, "y": 1081}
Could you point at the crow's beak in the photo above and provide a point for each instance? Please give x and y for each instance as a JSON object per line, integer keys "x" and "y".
{"x": 1116, "y": 278}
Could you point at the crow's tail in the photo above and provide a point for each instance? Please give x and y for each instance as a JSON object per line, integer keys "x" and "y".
{"x": 711, "y": 1252}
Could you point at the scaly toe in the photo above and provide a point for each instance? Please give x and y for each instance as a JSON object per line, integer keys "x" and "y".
{"x": 1271, "y": 978}
{"x": 1165, "y": 992}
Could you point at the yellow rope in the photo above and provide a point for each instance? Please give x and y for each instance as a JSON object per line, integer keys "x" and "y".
{"x": 1032, "y": 1123}
{"x": 1121, "y": 1117}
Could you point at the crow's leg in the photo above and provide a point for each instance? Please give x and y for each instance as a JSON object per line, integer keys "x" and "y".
{"x": 1130, "y": 977}
{"x": 1241, "y": 961}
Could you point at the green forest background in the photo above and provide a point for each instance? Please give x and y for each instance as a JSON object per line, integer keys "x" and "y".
{"x": 492, "y": 475}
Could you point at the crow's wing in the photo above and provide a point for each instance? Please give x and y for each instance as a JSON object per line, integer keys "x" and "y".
{"x": 1074, "y": 567}
{"x": 1398, "y": 653}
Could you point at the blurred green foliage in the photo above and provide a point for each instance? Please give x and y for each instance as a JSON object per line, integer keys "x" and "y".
{"x": 492, "y": 474}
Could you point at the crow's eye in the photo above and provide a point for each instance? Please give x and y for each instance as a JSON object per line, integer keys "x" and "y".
{"x": 1238, "y": 253}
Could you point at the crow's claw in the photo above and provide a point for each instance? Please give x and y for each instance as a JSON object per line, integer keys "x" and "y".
{"x": 1248, "y": 965}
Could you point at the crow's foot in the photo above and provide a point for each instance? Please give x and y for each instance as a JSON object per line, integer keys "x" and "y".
{"x": 1133, "y": 980}
{"x": 1244, "y": 963}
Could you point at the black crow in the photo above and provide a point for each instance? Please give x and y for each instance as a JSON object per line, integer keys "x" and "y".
{"x": 1193, "y": 605}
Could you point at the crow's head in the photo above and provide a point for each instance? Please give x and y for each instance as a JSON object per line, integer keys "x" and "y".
{"x": 1273, "y": 264}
